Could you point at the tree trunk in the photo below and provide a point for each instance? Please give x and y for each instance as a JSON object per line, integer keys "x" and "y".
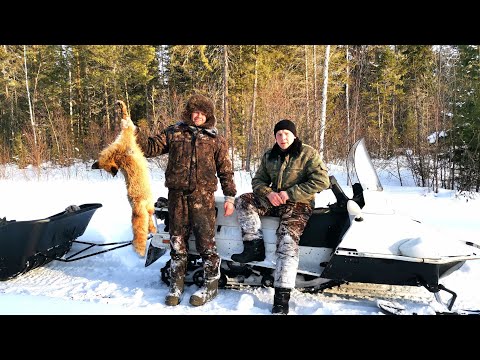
{"x": 78, "y": 81}
{"x": 115, "y": 92}
{"x": 307, "y": 100}
{"x": 358, "y": 83}
{"x": 154, "y": 118}
{"x": 126, "y": 97}
{"x": 437, "y": 122}
{"x": 10, "y": 98}
{"x": 226, "y": 119}
{"x": 347, "y": 96}
{"x": 379, "y": 119}
{"x": 324, "y": 100}
{"x": 315, "y": 97}
{"x": 88, "y": 119}
{"x": 53, "y": 128}
{"x": 70, "y": 103}
{"x": 34, "y": 96}
{"x": 32, "y": 117}
{"x": 252, "y": 116}
{"x": 107, "y": 113}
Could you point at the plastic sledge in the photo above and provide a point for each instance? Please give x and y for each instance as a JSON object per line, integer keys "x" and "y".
{"x": 26, "y": 245}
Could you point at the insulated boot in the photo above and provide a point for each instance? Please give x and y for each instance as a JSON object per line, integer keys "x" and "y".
{"x": 280, "y": 301}
{"x": 253, "y": 250}
{"x": 206, "y": 293}
{"x": 175, "y": 293}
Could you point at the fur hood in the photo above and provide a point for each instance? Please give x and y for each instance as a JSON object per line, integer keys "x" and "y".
{"x": 202, "y": 103}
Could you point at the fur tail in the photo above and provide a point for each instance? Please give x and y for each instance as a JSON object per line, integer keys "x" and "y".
{"x": 122, "y": 109}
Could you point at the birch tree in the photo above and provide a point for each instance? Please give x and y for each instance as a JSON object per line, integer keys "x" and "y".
{"x": 307, "y": 100}
{"x": 347, "y": 97}
{"x": 226, "y": 119}
{"x": 324, "y": 100}
{"x": 30, "y": 110}
{"x": 252, "y": 115}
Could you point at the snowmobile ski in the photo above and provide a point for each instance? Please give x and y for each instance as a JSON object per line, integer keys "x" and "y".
{"x": 394, "y": 308}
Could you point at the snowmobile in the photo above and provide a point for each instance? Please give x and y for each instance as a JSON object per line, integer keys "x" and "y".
{"x": 340, "y": 244}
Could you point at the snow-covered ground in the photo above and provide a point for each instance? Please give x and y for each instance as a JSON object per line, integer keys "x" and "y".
{"x": 117, "y": 282}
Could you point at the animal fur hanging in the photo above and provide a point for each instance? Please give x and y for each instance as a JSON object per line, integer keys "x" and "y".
{"x": 125, "y": 154}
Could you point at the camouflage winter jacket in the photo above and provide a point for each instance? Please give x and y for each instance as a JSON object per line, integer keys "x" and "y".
{"x": 195, "y": 156}
{"x": 301, "y": 173}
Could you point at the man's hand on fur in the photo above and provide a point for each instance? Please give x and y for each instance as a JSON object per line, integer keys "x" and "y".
{"x": 229, "y": 208}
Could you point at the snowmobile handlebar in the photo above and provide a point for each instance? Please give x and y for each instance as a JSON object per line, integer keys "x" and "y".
{"x": 342, "y": 199}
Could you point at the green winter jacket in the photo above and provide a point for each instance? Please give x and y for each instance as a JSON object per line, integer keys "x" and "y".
{"x": 302, "y": 174}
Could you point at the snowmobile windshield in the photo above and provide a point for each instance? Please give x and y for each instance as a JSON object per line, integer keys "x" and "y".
{"x": 360, "y": 168}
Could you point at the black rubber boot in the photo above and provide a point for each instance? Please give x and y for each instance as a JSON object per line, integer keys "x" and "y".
{"x": 252, "y": 251}
{"x": 280, "y": 301}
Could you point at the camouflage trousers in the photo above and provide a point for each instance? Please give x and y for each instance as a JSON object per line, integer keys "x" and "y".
{"x": 194, "y": 211}
{"x": 293, "y": 219}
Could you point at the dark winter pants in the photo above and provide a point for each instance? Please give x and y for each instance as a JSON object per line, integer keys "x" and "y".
{"x": 293, "y": 219}
{"x": 195, "y": 211}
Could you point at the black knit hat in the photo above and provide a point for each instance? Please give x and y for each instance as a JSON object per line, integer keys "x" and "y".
{"x": 285, "y": 125}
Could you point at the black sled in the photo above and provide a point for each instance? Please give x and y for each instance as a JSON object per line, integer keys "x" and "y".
{"x": 26, "y": 245}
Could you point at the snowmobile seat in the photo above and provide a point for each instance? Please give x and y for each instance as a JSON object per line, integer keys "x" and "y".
{"x": 325, "y": 228}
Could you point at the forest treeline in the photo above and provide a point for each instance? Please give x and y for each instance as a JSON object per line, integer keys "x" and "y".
{"x": 416, "y": 104}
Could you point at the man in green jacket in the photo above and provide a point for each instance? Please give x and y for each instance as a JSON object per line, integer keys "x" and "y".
{"x": 290, "y": 175}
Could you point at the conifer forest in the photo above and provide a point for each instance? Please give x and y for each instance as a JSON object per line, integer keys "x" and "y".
{"x": 415, "y": 105}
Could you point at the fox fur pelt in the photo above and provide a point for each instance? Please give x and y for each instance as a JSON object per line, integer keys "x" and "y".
{"x": 125, "y": 154}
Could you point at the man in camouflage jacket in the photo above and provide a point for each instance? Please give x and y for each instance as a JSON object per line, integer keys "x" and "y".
{"x": 196, "y": 155}
{"x": 289, "y": 176}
